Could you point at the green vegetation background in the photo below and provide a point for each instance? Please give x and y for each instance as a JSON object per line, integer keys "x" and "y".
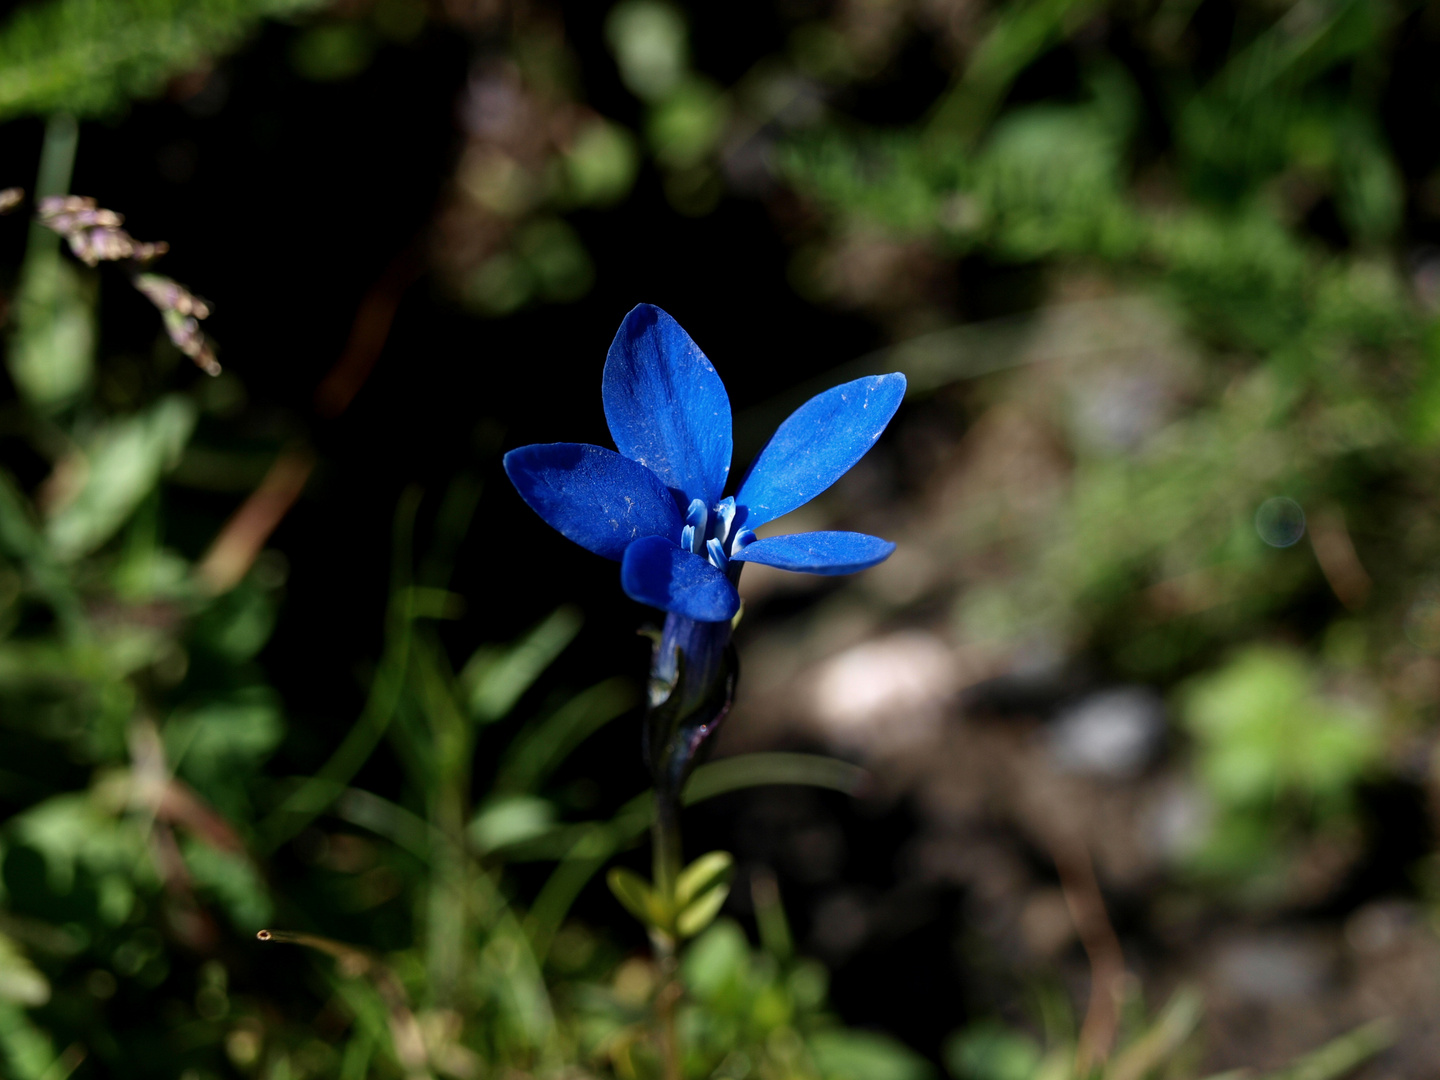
{"x": 1262, "y": 172}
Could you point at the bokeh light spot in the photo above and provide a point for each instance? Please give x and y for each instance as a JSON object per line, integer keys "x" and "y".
{"x": 1280, "y": 521}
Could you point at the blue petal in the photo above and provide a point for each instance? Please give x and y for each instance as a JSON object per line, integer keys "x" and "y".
{"x": 594, "y": 496}
{"x": 658, "y": 573}
{"x": 817, "y": 552}
{"x": 666, "y": 406}
{"x": 817, "y": 445}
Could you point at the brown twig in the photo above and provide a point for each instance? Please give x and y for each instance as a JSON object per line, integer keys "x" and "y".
{"x": 1102, "y": 948}
{"x": 1335, "y": 552}
{"x": 368, "y": 334}
{"x": 241, "y": 539}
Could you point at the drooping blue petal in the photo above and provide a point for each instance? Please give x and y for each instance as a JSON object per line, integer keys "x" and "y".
{"x": 656, "y": 572}
{"x": 817, "y": 552}
{"x": 594, "y": 496}
{"x": 817, "y": 445}
{"x": 666, "y": 406}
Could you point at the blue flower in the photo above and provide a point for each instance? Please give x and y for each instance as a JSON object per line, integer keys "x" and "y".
{"x": 656, "y": 507}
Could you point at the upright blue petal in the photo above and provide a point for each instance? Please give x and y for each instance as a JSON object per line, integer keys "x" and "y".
{"x": 594, "y": 496}
{"x": 666, "y": 406}
{"x": 817, "y": 444}
{"x": 656, "y": 572}
{"x": 817, "y": 552}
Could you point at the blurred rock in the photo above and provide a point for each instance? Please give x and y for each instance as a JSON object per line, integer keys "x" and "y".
{"x": 884, "y": 694}
{"x": 1113, "y": 733}
{"x": 1273, "y": 968}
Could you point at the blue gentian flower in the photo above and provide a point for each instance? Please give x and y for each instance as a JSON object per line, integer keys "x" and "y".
{"x": 656, "y": 506}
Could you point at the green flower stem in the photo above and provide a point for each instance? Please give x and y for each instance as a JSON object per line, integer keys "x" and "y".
{"x": 665, "y": 837}
{"x": 668, "y": 860}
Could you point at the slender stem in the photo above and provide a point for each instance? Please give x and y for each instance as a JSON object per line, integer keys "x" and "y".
{"x": 666, "y": 842}
{"x": 665, "y": 1009}
{"x": 668, "y": 860}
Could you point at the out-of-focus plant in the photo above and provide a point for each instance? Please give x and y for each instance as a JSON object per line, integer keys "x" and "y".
{"x": 534, "y": 152}
{"x": 126, "y": 671}
{"x": 1277, "y": 757}
{"x": 1162, "y": 1045}
{"x": 1257, "y": 210}
{"x": 92, "y": 57}
{"x": 686, "y": 113}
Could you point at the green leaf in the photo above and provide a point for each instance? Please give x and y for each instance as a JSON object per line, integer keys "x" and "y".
{"x": 20, "y": 981}
{"x": 865, "y": 1055}
{"x": 27, "y": 1050}
{"x": 702, "y": 874}
{"x": 236, "y": 625}
{"x": 638, "y": 898}
{"x": 233, "y": 880}
{"x": 52, "y": 351}
{"x": 223, "y": 736}
{"x": 755, "y": 770}
{"x": 122, "y": 462}
{"x": 220, "y": 746}
{"x": 991, "y": 1051}
{"x": 496, "y": 679}
{"x": 74, "y": 830}
{"x": 701, "y": 911}
{"x": 510, "y": 819}
{"x": 716, "y": 960}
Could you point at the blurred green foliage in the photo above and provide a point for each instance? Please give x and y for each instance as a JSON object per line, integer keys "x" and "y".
{"x": 1200, "y": 191}
{"x": 147, "y": 842}
{"x": 1274, "y": 753}
{"x": 1147, "y": 1046}
{"x": 138, "y": 727}
{"x": 91, "y": 57}
{"x": 144, "y": 854}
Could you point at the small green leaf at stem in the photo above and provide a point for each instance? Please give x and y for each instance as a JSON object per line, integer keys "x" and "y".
{"x": 701, "y": 911}
{"x": 638, "y": 898}
{"x": 700, "y": 875}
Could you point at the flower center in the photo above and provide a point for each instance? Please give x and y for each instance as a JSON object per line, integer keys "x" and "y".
{"x": 710, "y": 533}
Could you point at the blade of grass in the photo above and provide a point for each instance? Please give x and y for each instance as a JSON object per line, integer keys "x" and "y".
{"x": 1344, "y": 1055}
{"x": 496, "y": 679}
{"x": 319, "y": 790}
{"x": 540, "y": 747}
